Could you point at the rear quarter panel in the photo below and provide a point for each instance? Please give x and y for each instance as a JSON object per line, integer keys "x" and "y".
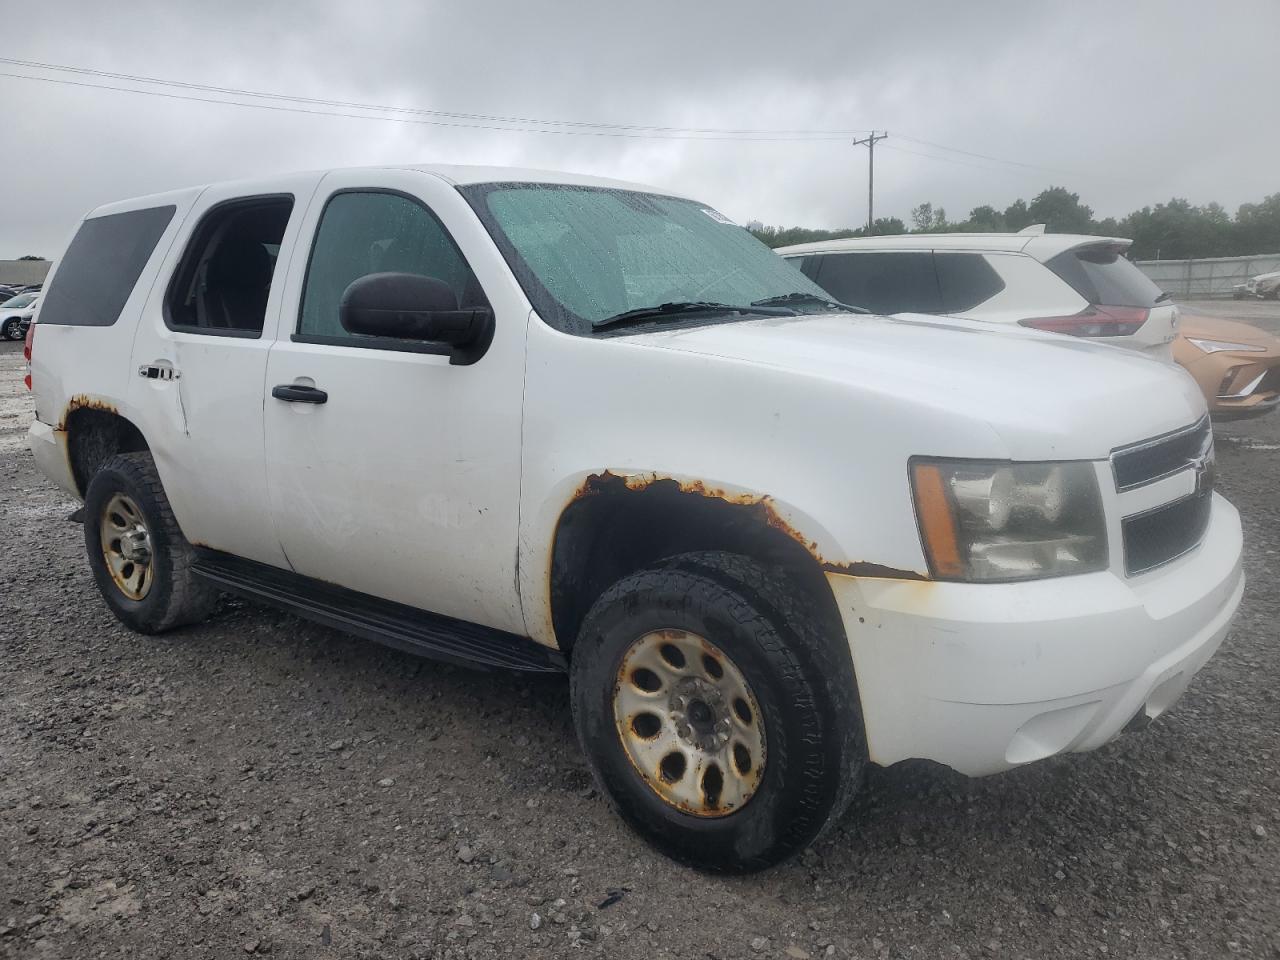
{"x": 84, "y": 366}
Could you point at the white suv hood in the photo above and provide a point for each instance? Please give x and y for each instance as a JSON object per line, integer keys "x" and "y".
{"x": 1046, "y": 396}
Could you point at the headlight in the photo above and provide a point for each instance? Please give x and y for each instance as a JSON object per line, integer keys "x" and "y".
{"x": 1217, "y": 346}
{"x": 991, "y": 521}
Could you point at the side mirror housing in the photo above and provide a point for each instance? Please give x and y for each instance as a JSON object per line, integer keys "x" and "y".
{"x": 408, "y": 306}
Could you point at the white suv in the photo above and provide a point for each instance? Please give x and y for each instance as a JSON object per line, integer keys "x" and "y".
{"x": 534, "y": 421}
{"x": 1078, "y": 285}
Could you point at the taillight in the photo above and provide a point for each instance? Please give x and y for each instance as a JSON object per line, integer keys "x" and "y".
{"x": 26, "y": 353}
{"x": 1094, "y": 322}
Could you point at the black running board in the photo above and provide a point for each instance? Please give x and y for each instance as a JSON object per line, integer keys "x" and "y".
{"x": 394, "y": 624}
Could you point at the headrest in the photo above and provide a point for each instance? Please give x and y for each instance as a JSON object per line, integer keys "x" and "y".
{"x": 240, "y": 263}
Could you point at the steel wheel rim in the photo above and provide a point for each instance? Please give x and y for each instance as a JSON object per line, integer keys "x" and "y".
{"x": 126, "y": 546}
{"x": 689, "y": 723}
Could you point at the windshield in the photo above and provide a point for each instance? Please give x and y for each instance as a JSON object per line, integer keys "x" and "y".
{"x": 21, "y": 300}
{"x": 584, "y": 254}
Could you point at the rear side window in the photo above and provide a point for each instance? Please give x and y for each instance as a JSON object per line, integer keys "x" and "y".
{"x": 965, "y": 280}
{"x": 882, "y": 282}
{"x": 1105, "y": 278}
{"x": 100, "y": 268}
{"x": 222, "y": 283}
{"x": 806, "y": 265}
{"x": 364, "y": 232}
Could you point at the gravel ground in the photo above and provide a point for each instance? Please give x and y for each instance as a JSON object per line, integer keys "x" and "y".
{"x": 261, "y": 785}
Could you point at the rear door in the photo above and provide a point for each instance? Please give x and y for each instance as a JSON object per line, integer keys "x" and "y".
{"x": 1100, "y": 273}
{"x": 404, "y": 483}
{"x": 200, "y": 358}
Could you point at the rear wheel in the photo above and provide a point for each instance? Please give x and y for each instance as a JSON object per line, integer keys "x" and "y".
{"x": 140, "y": 560}
{"x": 718, "y": 716}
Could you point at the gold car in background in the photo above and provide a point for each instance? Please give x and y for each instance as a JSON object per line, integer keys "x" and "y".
{"x": 1236, "y": 365}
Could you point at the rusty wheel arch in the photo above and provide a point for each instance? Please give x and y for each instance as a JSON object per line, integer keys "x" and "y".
{"x": 615, "y": 525}
{"x": 96, "y": 432}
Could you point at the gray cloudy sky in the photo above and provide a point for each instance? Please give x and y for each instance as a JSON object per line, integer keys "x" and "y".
{"x": 1127, "y": 103}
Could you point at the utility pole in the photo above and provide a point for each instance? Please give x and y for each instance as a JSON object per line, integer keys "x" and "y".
{"x": 871, "y": 142}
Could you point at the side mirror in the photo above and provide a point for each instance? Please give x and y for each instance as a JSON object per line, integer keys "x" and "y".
{"x": 407, "y": 306}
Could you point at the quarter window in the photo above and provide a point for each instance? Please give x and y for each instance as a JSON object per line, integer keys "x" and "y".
{"x": 371, "y": 232}
{"x": 965, "y": 280}
{"x": 102, "y": 266}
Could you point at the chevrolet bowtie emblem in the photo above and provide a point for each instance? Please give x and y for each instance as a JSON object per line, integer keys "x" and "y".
{"x": 1206, "y": 472}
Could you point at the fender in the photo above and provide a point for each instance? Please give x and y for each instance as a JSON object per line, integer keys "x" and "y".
{"x": 535, "y": 566}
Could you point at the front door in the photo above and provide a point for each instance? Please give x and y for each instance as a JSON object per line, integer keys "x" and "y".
{"x": 404, "y": 481}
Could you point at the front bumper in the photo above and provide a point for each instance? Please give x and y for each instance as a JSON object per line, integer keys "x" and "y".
{"x": 986, "y": 677}
{"x": 1236, "y": 384}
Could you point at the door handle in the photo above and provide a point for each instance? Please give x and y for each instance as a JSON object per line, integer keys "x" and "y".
{"x": 158, "y": 371}
{"x": 296, "y": 393}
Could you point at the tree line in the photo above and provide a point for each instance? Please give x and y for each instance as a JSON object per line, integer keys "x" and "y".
{"x": 1176, "y": 230}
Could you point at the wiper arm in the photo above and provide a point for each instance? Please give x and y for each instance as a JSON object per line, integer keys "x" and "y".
{"x": 679, "y": 307}
{"x": 1163, "y": 297}
{"x": 808, "y": 298}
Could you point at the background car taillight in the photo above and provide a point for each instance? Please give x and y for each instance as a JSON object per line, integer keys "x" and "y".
{"x": 26, "y": 353}
{"x": 1094, "y": 321}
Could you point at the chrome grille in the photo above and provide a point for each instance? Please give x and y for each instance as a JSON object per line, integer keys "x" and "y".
{"x": 1151, "y": 460}
{"x": 1163, "y": 533}
{"x": 1155, "y": 537}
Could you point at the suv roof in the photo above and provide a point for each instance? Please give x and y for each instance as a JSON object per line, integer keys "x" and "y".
{"x": 457, "y": 174}
{"x": 1042, "y": 246}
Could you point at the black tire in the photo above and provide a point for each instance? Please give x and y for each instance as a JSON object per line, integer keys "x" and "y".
{"x": 176, "y": 596}
{"x": 10, "y": 328}
{"x": 803, "y": 683}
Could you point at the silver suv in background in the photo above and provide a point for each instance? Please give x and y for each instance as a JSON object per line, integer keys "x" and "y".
{"x": 1064, "y": 283}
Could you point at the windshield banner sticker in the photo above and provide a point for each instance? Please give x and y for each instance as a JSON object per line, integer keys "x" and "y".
{"x": 717, "y": 216}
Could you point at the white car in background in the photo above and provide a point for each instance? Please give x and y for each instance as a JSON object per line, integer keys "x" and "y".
{"x": 1064, "y": 283}
{"x": 1265, "y": 286}
{"x": 16, "y": 314}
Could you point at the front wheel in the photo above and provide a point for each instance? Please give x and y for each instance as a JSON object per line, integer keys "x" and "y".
{"x": 140, "y": 560}
{"x": 10, "y": 331}
{"x": 717, "y": 714}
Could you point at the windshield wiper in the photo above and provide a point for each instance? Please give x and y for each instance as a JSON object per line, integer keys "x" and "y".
{"x": 1164, "y": 295}
{"x": 680, "y": 307}
{"x": 808, "y": 298}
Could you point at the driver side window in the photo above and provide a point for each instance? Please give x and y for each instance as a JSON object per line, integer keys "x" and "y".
{"x": 364, "y": 232}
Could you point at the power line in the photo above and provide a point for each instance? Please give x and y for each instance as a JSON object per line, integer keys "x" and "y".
{"x": 464, "y": 120}
{"x": 413, "y": 120}
{"x": 685, "y": 132}
{"x": 930, "y": 156}
{"x": 984, "y": 156}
